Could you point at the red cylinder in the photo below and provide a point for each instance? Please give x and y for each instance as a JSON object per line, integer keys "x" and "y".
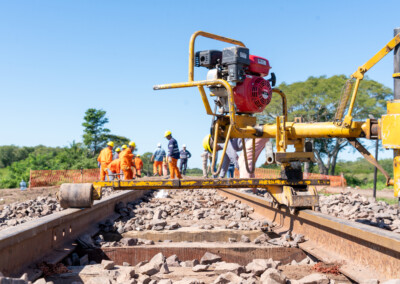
{"x": 252, "y": 95}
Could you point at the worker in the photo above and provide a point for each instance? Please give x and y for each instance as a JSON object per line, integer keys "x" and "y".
{"x": 105, "y": 157}
{"x": 184, "y": 155}
{"x": 205, "y": 156}
{"x": 231, "y": 156}
{"x": 208, "y": 149}
{"x": 138, "y": 166}
{"x": 231, "y": 170}
{"x": 157, "y": 158}
{"x": 124, "y": 147}
{"x": 127, "y": 161}
{"x": 116, "y": 154}
{"x": 165, "y": 167}
{"x": 259, "y": 146}
{"x": 173, "y": 155}
{"x": 114, "y": 169}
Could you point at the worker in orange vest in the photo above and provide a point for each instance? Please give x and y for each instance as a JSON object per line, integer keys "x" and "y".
{"x": 116, "y": 154}
{"x": 127, "y": 161}
{"x": 124, "y": 147}
{"x": 105, "y": 158}
{"x": 138, "y": 166}
{"x": 114, "y": 169}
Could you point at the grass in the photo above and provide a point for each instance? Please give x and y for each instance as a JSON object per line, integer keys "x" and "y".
{"x": 390, "y": 201}
{"x": 3, "y": 172}
{"x": 324, "y": 192}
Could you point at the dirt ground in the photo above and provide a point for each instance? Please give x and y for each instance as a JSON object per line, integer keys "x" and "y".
{"x": 384, "y": 193}
{"x": 10, "y": 195}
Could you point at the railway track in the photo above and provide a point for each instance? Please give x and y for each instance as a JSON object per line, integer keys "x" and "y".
{"x": 362, "y": 252}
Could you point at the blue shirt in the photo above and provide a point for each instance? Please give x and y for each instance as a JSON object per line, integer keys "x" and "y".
{"x": 173, "y": 149}
{"x": 185, "y": 154}
{"x": 159, "y": 154}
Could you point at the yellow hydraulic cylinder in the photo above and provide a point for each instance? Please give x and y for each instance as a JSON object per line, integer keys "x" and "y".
{"x": 390, "y": 125}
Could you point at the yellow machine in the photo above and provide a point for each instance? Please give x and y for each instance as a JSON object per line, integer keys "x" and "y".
{"x": 235, "y": 79}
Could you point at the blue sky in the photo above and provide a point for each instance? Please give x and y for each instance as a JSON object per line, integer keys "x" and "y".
{"x": 59, "y": 58}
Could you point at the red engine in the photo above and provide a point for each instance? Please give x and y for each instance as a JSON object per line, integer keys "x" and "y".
{"x": 254, "y": 93}
{"x": 251, "y": 92}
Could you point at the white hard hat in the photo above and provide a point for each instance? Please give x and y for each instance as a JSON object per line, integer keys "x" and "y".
{"x": 159, "y": 145}
{"x": 184, "y": 145}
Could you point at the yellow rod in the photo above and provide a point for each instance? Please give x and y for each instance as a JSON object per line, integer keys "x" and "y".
{"x": 353, "y": 98}
{"x": 379, "y": 55}
{"x": 205, "y": 100}
{"x": 307, "y": 130}
{"x": 284, "y": 101}
{"x": 207, "y": 35}
{"x": 224, "y": 83}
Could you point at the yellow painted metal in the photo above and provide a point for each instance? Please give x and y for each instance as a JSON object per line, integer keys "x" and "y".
{"x": 359, "y": 74}
{"x": 348, "y": 118}
{"x": 390, "y": 134}
{"x": 253, "y": 154}
{"x": 285, "y": 157}
{"x": 284, "y": 101}
{"x": 390, "y": 131}
{"x": 207, "y": 35}
{"x": 280, "y": 135}
{"x": 390, "y": 125}
{"x": 396, "y": 172}
{"x": 97, "y": 193}
{"x": 204, "y": 183}
{"x": 276, "y": 192}
{"x": 205, "y": 100}
{"x": 214, "y": 154}
{"x": 393, "y": 107}
{"x": 287, "y": 197}
{"x": 243, "y": 121}
{"x": 313, "y": 130}
{"x": 293, "y": 132}
{"x": 396, "y": 75}
{"x": 377, "y": 57}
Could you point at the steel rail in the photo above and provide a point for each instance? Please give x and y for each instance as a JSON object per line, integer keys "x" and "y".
{"x": 51, "y": 237}
{"x": 364, "y": 252}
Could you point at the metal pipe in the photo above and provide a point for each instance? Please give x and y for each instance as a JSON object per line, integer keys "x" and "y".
{"x": 313, "y": 130}
{"x": 376, "y": 169}
{"x": 353, "y": 99}
{"x": 224, "y": 83}
{"x": 284, "y": 101}
{"x": 396, "y": 68}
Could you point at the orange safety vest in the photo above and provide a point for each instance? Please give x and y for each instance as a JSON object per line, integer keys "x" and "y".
{"x": 138, "y": 163}
{"x": 115, "y": 166}
{"x": 126, "y": 159}
{"x": 105, "y": 157}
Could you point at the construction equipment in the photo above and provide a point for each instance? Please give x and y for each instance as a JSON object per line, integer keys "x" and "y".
{"x": 236, "y": 81}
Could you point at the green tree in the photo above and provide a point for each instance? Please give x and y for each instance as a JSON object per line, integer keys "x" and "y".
{"x": 12, "y": 153}
{"x": 118, "y": 140}
{"x": 147, "y": 165}
{"x": 316, "y": 99}
{"x": 95, "y": 134}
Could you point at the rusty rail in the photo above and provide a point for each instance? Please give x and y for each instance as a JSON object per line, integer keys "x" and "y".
{"x": 51, "y": 238}
{"x": 364, "y": 252}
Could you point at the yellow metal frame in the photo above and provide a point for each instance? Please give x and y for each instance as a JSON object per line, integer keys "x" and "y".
{"x": 283, "y": 131}
{"x": 359, "y": 74}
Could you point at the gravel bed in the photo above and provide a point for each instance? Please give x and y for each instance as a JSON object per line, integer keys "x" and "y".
{"x": 358, "y": 208}
{"x": 21, "y": 212}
